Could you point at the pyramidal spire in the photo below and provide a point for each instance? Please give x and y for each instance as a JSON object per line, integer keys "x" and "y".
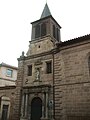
{"x": 46, "y": 12}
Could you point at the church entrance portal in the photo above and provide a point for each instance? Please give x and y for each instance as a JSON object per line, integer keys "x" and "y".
{"x": 36, "y": 109}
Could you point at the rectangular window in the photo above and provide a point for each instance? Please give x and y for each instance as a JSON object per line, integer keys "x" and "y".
{"x": 48, "y": 67}
{"x": 5, "y": 112}
{"x": 40, "y": 30}
{"x": 30, "y": 70}
{"x": 9, "y": 73}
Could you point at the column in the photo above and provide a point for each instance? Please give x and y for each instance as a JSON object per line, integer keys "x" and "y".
{"x": 46, "y": 105}
{"x": 22, "y": 105}
{"x": 26, "y": 105}
{"x": 43, "y": 107}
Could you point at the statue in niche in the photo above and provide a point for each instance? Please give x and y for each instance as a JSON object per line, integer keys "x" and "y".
{"x": 38, "y": 74}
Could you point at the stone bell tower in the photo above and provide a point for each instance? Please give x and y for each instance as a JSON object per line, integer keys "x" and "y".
{"x": 37, "y": 76}
{"x": 45, "y": 33}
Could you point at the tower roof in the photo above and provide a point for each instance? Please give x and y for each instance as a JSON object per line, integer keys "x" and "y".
{"x": 46, "y": 12}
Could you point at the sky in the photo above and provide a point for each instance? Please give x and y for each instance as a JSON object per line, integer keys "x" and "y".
{"x": 16, "y": 15}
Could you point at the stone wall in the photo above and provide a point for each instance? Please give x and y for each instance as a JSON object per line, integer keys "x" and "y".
{"x": 8, "y": 92}
{"x": 43, "y": 45}
{"x": 28, "y": 83}
{"x": 72, "y": 83}
{"x": 42, "y": 88}
{"x": 18, "y": 93}
{"x": 38, "y": 62}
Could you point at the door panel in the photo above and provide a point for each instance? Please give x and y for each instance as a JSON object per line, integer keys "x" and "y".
{"x": 36, "y": 109}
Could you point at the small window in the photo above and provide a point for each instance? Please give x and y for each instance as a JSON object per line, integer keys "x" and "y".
{"x": 39, "y": 46}
{"x": 30, "y": 70}
{"x": 9, "y": 73}
{"x": 48, "y": 67}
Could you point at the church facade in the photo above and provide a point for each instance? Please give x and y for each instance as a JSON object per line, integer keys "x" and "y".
{"x": 53, "y": 80}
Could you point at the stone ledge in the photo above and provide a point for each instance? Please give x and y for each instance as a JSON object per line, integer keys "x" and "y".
{"x": 47, "y": 119}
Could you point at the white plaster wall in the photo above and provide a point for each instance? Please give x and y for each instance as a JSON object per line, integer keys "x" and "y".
{"x": 7, "y": 83}
{"x": 7, "y": 80}
{"x": 3, "y": 73}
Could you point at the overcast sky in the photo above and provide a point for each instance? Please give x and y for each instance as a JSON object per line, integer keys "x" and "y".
{"x": 16, "y": 16}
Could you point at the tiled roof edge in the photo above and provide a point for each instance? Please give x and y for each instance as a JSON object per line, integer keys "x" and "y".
{"x": 75, "y": 40}
{"x": 7, "y": 65}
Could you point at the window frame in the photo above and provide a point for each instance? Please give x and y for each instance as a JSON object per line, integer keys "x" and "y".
{"x": 9, "y": 72}
{"x": 39, "y": 28}
{"x": 48, "y": 67}
{"x": 37, "y": 31}
{"x": 43, "y": 29}
{"x": 29, "y": 72}
{"x": 56, "y": 33}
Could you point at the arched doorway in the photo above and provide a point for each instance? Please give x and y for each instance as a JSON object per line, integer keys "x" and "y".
{"x": 36, "y": 108}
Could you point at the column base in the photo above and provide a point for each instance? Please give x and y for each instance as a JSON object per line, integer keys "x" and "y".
{"x": 22, "y": 118}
